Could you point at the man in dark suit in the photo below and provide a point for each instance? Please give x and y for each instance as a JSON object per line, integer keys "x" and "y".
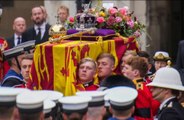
{"x": 166, "y": 87}
{"x": 39, "y": 31}
{"x": 19, "y": 26}
{"x": 180, "y": 65}
{"x": 180, "y": 57}
{"x": 180, "y": 60}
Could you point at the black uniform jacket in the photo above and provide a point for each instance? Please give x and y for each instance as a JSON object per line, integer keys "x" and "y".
{"x": 172, "y": 110}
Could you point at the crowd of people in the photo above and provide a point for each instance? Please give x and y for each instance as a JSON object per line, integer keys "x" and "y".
{"x": 145, "y": 89}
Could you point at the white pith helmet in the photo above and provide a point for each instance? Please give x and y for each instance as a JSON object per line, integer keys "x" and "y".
{"x": 167, "y": 77}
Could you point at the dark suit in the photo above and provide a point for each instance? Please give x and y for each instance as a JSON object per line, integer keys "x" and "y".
{"x": 10, "y": 42}
{"x": 30, "y": 34}
{"x": 180, "y": 56}
{"x": 172, "y": 110}
{"x": 180, "y": 60}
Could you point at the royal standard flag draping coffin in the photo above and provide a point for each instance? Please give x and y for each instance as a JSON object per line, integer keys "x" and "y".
{"x": 54, "y": 65}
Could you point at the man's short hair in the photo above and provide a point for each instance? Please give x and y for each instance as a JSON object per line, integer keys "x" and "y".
{"x": 30, "y": 116}
{"x": 121, "y": 112}
{"x": 106, "y": 55}
{"x": 138, "y": 63}
{"x": 64, "y": 8}
{"x": 130, "y": 52}
{"x": 87, "y": 60}
{"x": 41, "y": 8}
{"x": 145, "y": 55}
{"x": 28, "y": 56}
{"x": 6, "y": 112}
{"x": 75, "y": 115}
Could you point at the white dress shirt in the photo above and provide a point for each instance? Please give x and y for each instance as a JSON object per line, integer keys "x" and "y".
{"x": 42, "y": 28}
{"x": 16, "y": 39}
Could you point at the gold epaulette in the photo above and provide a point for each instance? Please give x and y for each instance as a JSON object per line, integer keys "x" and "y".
{"x": 139, "y": 84}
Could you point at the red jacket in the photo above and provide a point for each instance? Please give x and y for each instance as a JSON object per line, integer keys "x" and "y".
{"x": 4, "y": 67}
{"x": 143, "y": 103}
{"x": 87, "y": 87}
{"x": 155, "y": 103}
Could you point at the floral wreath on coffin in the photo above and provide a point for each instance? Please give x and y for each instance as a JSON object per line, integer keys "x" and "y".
{"x": 120, "y": 20}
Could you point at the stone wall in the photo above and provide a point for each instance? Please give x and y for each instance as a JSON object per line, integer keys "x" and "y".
{"x": 52, "y": 6}
{"x": 20, "y": 8}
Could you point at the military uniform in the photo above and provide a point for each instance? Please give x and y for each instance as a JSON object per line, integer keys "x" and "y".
{"x": 51, "y": 110}
{"x": 97, "y": 97}
{"x": 121, "y": 100}
{"x": 171, "y": 110}
{"x": 4, "y": 67}
{"x": 143, "y": 104}
{"x": 30, "y": 105}
{"x": 93, "y": 85}
{"x": 74, "y": 104}
{"x": 13, "y": 79}
{"x": 160, "y": 56}
{"x": 169, "y": 79}
{"x": 48, "y": 109}
{"x": 155, "y": 103}
{"x": 87, "y": 86}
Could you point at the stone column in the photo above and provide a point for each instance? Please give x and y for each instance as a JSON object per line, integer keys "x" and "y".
{"x": 158, "y": 25}
{"x": 139, "y": 8}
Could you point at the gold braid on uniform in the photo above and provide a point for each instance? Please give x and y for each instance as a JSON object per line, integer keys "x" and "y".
{"x": 139, "y": 84}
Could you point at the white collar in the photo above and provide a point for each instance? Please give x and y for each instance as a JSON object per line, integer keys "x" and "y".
{"x": 42, "y": 26}
{"x": 165, "y": 101}
{"x": 16, "y": 36}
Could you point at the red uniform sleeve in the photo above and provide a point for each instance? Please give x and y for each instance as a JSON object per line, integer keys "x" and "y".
{"x": 143, "y": 104}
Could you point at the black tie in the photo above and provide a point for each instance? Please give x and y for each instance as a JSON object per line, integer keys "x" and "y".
{"x": 39, "y": 34}
{"x": 19, "y": 40}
